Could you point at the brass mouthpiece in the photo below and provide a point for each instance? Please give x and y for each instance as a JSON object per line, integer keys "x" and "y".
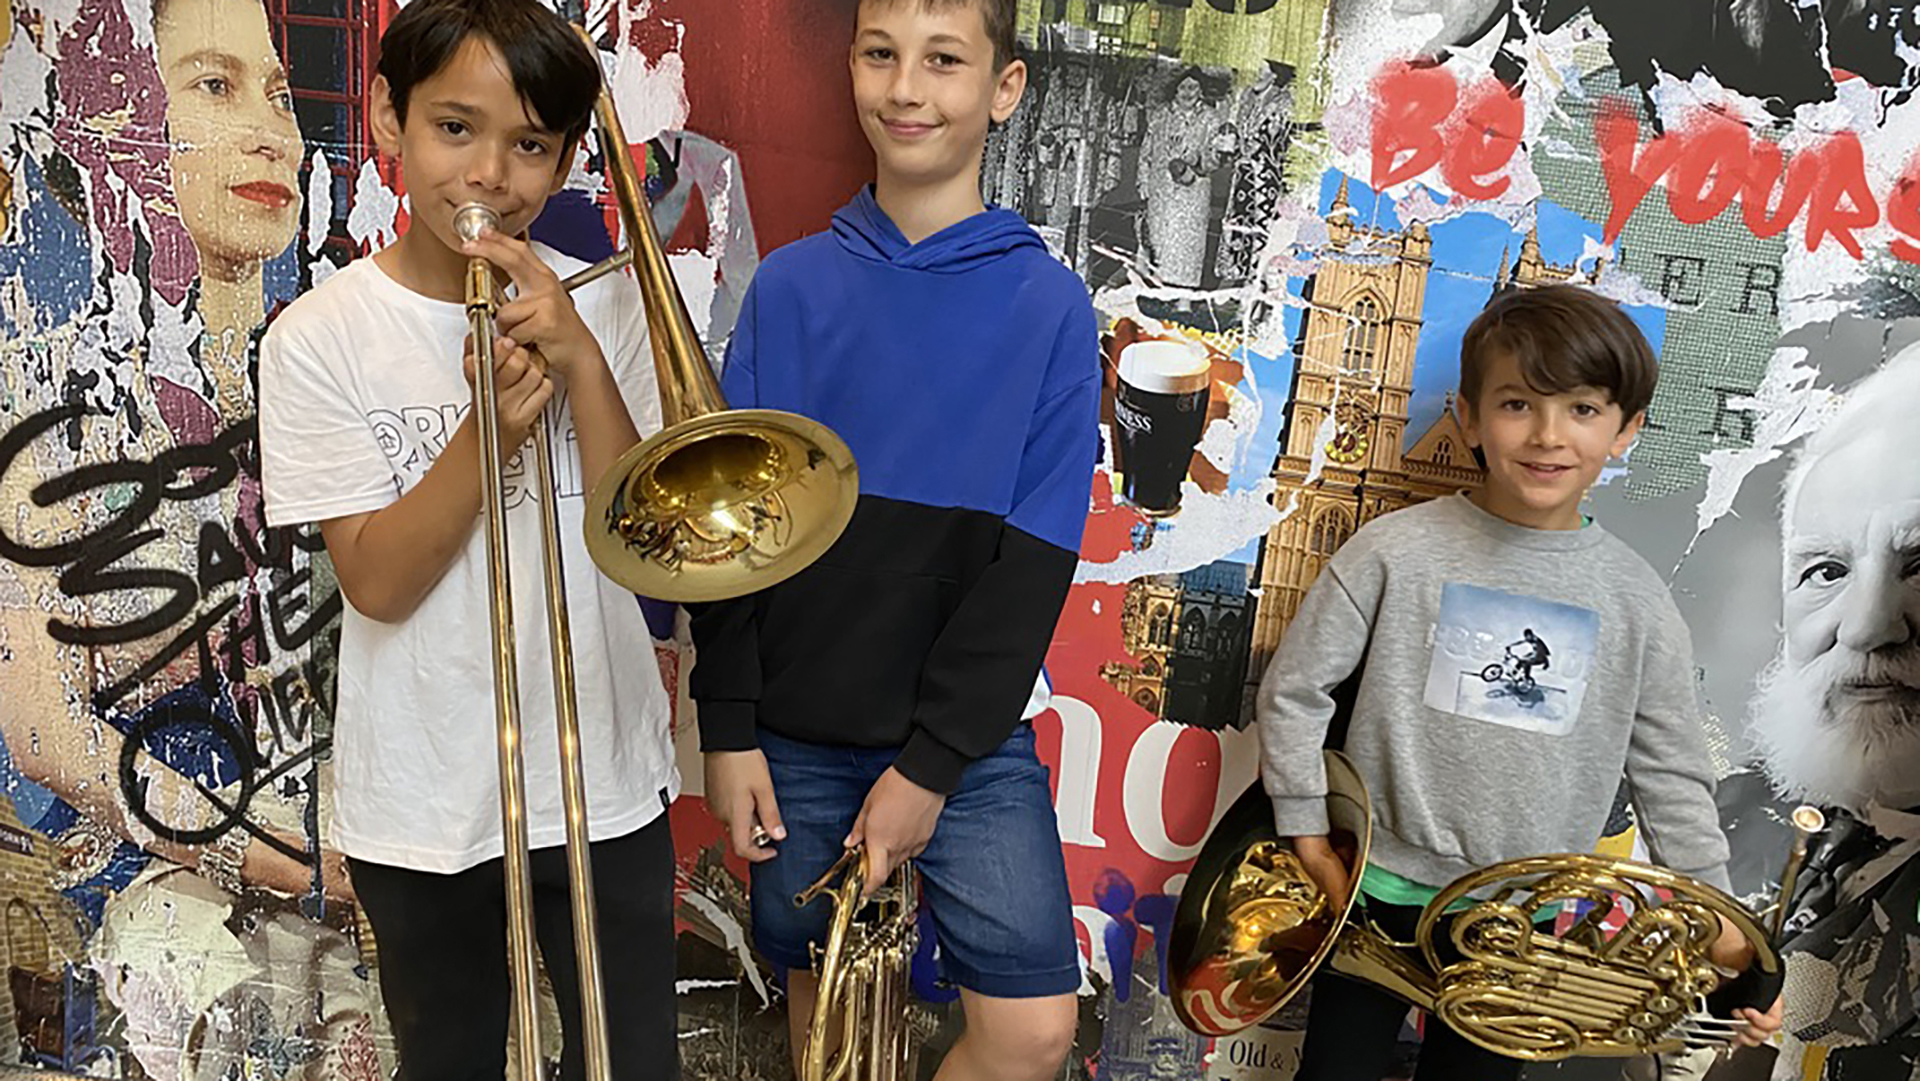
{"x": 1807, "y": 820}
{"x": 473, "y": 219}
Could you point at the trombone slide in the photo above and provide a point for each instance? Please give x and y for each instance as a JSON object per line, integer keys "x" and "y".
{"x": 482, "y": 303}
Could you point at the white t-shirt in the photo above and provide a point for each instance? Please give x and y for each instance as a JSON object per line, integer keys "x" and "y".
{"x": 360, "y": 388}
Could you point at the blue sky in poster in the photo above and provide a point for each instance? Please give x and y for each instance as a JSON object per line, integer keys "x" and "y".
{"x": 1466, "y": 259}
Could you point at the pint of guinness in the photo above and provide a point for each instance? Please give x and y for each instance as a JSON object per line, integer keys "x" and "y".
{"x": 1159, "y": 412}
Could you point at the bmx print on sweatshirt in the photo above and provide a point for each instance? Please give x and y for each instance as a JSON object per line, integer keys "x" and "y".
{"x": 1511, "y": 660}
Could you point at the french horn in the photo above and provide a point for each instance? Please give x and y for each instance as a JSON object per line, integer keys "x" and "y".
{"x": 1561, "y": 955}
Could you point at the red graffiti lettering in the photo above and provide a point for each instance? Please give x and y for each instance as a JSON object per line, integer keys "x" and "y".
{"x": 1903, "y": 211}
{"x": 1628, "y": 169}
{"x": 1410, "y": 105}
{"x": 1484, "y": 140}
{"x": 1416, "y": 127}
{"x": 1711, "y": 158}
{"x": 1422, "y": 120}
{"x": 1842, "y": 200}
{"x": 1763, "y": 216}
{"x": 1710, "y": 170}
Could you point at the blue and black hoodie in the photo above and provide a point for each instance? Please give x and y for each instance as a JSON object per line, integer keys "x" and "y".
{"x": 964, "y": 373}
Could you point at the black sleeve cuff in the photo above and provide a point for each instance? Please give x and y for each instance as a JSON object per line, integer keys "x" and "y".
{"x": 727, "y": 725}
{"x": 930, "y": 763}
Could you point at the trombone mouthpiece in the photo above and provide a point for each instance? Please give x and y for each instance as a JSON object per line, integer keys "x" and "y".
{"x": 473, "y": 219}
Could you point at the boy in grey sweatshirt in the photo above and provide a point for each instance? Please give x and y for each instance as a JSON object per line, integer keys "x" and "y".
{"x": 1517, "y": 658}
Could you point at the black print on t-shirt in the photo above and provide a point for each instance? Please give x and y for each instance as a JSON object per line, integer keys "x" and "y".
{"x": 413, "y": 436}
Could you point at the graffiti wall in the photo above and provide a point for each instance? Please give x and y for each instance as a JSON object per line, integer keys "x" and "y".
{"x": 1312, "y": 198}
{"x": 166, "y": 661}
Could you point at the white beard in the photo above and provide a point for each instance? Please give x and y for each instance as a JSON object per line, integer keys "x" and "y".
{"x": 1868, "y": 754}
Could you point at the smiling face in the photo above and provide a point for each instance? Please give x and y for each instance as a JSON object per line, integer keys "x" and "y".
{"x": 470, "y": 137}
{"x": 926, "y": 89}
{"x": 1543, "y": 450}
{"x": 236, "y": 149}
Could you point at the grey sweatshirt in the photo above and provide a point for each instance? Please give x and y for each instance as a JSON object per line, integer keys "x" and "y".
{"x": 1511, "y": 674}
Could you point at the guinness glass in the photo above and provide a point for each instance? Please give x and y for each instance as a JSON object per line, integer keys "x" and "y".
{"x": 1159, "y": 412}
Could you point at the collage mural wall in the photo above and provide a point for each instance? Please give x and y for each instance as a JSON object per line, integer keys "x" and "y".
{"x": 1322, "y": 193}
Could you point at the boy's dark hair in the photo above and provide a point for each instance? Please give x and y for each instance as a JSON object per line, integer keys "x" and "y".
{"x": 1563, "y": 337}
{"x": 552, "y": 68}
{"x": 998, "y": 15}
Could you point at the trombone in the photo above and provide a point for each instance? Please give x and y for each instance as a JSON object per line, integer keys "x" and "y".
{"x": 718, "y": 504}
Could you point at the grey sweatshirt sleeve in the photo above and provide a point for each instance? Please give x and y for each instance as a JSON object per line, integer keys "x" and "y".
{"x": 1668, "y": 766}
{"x": 1322, "y": 646}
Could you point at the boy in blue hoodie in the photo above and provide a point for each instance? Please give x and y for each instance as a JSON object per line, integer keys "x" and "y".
{"x": 881, "y": 696}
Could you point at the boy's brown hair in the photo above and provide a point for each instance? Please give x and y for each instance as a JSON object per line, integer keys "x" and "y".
{"x": 1563, "y": 337}
{"x": 998, "y": 15}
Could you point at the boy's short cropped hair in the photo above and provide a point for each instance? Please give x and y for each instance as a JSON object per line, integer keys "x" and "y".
{"x": 1563, "y": 337}
{"x": 1000, "y": 16}
{"x": 554, "y": 70}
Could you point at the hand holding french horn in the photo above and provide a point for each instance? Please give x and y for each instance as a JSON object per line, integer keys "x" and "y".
{"x": 895, "y": 824}
{"x": 1565, "y": 954}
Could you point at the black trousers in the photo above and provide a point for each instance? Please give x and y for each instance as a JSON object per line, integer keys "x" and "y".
{"x": 1352, "y": 1027}
{"x": 443, "y": 959}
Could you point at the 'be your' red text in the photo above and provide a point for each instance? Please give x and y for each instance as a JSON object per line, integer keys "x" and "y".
{"x": 1423, "y": 119}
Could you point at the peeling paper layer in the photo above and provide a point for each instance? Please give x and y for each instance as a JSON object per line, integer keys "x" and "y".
{"x": 736, "y": 938}
{"x": 651, "y": 98}
{"x": 1207, "y": 529}
{"x": 375, "y": 216}
{"x": 1786, "y": 407}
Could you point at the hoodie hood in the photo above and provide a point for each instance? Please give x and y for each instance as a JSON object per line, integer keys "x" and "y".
{"x": 865, "y": 231}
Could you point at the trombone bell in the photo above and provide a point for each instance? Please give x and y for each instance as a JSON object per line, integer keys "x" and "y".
{"x": 721, "y": 505}
{"x": 722, "y": 502}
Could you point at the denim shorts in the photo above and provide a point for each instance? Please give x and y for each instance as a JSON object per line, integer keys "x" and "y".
{"x": 992, "y": 876}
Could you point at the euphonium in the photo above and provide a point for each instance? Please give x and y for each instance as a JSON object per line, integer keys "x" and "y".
{"x": 1622, "y": 972}
{"x": 859, "y": 1025}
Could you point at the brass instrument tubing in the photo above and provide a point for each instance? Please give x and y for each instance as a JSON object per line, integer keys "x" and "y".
{"x": 619, "y": 260}
{"x": 481, "y": 307}
{"x": 573, "y": 784}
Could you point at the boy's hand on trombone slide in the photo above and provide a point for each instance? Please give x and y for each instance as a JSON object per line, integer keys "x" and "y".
{"x": 541, "y": 315}
{"x": 521, "y": 389}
